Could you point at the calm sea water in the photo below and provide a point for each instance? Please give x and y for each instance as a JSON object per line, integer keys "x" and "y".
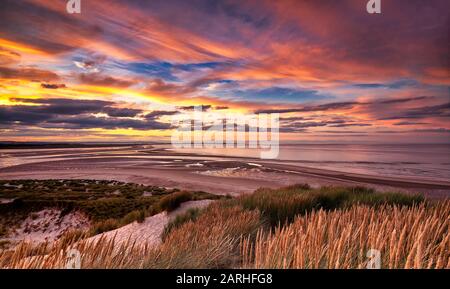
{"x": 413, "y": 160}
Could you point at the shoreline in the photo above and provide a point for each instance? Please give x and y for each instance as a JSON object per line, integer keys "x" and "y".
{"x": 211, "y": 173}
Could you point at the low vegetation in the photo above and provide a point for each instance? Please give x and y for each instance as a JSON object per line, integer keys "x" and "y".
{"x": 292, "y": 227}
{"x": 173, "y": 201}
{"x": 108, "y": 204}
{"x": 283, "y": 205}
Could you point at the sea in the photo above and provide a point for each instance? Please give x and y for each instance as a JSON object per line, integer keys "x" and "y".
{"x": 430, "y": 161}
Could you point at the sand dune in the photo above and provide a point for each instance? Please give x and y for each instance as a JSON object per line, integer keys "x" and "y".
{"x": 148, "y": 232}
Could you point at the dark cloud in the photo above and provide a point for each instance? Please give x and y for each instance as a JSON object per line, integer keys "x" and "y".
{"x": 158, "y": 113}
{"x": 91, "y": 63}
{"x": 13, "y": 131}
{"x": 86, "y": 121}
{"x": 433, "y": 130}
{"x": 291, "y": 119}
{"x": 426, "y": 130}
{"x": 350, "y": 124}
{"x": 402, "y": 100}
{"x": 161, "y": 87}
{"x": 121, "y": 112}
{"x": 322, "y": 107}
{"x": 288, "y": 126}
{"x": 441, "y": 110}
{"x": 77, "y": 106}
{"x": 192, "y": 107}
{"x": 292, "y": 129}
{"x": 21, "y": 114}
{"x": 88, "y": 64}
{"x": 307, "y": 124}
{"x": 101, "y": 80}
{"x": 204, "y": 81}
{"x": 28, "y": 73}
{"x": 64, "y": 106}
{"x": 8, "y": 57}
{"x": 52, "y": 86}
{"x": 343, "y": 132}
{"x": 410, "y": 123}
{"x": 394, "y": 85}
{"x": 74, "y": 114}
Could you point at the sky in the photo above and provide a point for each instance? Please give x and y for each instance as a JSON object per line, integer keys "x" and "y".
{"x": 121, "y": 69}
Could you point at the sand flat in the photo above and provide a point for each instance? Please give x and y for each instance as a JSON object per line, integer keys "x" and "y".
{"x": 210, "y": 173}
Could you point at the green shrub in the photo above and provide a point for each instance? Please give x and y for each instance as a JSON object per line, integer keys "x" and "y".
{"x": 283, "y": 205}
{"x": 173, "y": 201}
{"x": 104, "y": 226}
{"x": 136, "y": 215}
{"x": 4, "y": 244}
{"x": 3, "y": 230}
{"x": 99, "y": 200}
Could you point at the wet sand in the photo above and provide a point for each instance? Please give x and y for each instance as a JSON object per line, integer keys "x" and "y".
{"x": 212, "y": 173}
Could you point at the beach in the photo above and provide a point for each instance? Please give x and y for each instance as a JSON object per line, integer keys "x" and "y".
{"x": 210, "y": 172}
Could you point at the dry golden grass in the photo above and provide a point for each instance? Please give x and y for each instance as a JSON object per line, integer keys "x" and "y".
{"x": 407, "y": 237}
{"x": 212, "y": 241}
{"x": 314, "y": 229}
{"x": 101, "y": 254}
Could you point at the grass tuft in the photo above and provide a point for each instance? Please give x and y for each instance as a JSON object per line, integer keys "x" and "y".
{"x": 284, "y": 204}
{"x": 211, "y": 241}
{"x": 173, "y": 201}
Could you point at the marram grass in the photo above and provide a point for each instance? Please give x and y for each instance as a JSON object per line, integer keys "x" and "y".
{"x": 324, "y": 228}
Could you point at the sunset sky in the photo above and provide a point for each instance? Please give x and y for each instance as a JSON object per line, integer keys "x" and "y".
{"x": 119, "y": 70}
